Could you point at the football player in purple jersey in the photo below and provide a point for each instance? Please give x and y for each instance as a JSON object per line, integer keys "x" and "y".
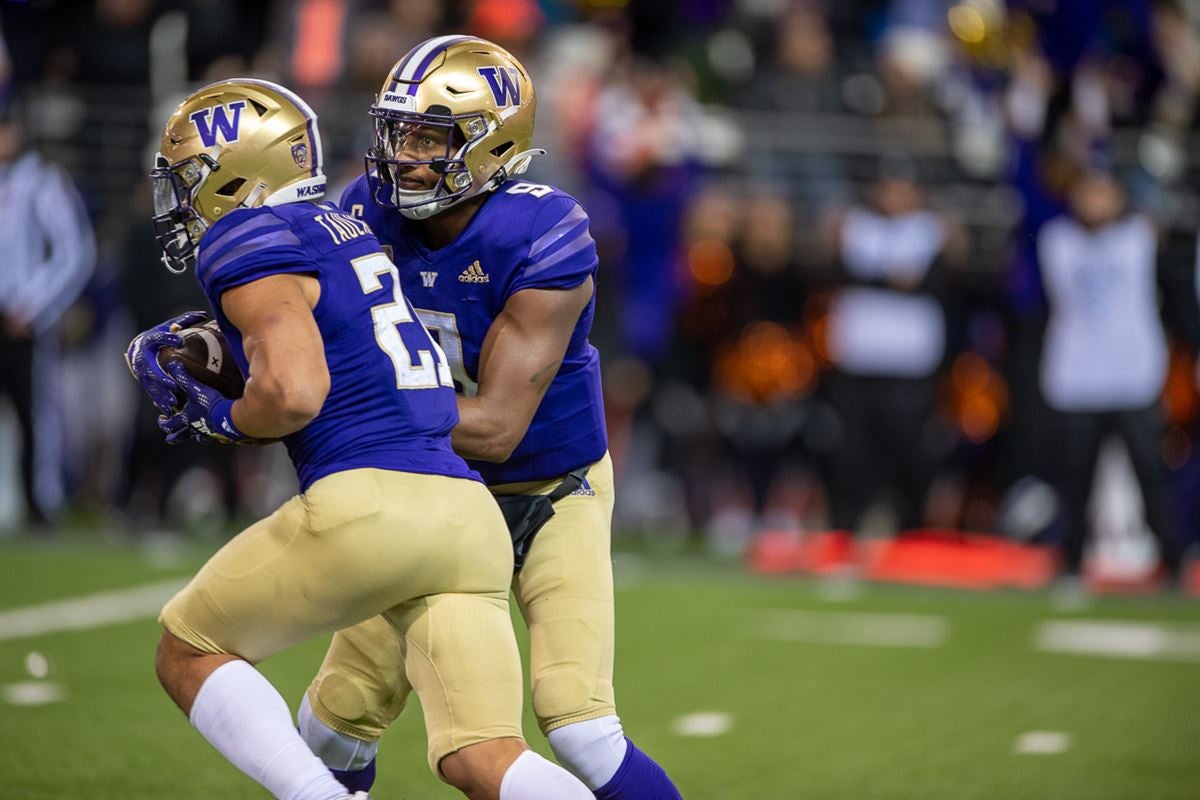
{"x": 503, "y": 273}
{"x": 389, "y": 520}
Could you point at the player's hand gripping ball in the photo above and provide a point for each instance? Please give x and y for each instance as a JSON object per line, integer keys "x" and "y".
{"x": 204, "y": 353}
{"x": 206, "y": 415}
{"x": 208, "y": 381}
{"x": 142, "y": 359}
{"x": 190, "y": 375}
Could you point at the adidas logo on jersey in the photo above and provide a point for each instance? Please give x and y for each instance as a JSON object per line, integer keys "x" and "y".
{"x": 474, "y": 274}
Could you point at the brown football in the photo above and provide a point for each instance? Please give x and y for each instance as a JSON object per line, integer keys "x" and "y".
{"x": 205, "y": 354}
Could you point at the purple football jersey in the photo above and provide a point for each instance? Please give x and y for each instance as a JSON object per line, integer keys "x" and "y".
{"x": 524, "y": 236}
{"x": 391, "y": 400}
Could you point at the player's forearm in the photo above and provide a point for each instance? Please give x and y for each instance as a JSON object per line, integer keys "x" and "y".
{"x": 271, "y": 409}
{"x": 289, "y": 378}
{"x": 484, "y": 435}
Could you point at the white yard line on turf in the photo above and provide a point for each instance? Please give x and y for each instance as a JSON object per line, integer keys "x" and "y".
{"x": 88, "y": 611}
{"x": 703, "y": 723}
{"x": 1042, "y": 743}
{"x": 1155, "y": 641}
{"x": 853, "y": 628}
{"x": 34, "y": 693}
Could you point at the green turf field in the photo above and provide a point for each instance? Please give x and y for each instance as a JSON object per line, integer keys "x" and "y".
{"x": 805, "y": 697}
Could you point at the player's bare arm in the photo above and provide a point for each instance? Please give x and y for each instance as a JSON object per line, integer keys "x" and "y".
{"x": 289, "y": 378}
{"x": 520, "y": 356}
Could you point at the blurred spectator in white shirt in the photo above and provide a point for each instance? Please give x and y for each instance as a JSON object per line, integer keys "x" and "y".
{"x": 1105, "y": 354}
{"x": 887, "y": 339}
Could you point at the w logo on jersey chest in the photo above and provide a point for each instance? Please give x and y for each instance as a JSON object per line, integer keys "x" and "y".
{"x": 427, "y": 279}
{"x": 505, "y": 83}
{"x": 223, "y": 119}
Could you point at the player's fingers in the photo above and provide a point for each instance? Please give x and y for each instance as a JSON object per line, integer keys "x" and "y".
{"x": 157, "y": 340}
{"x": 179, "y": 373}
{"x": 134, "y": 351}
{"x": 179, "y": 430}
{"x": 187, "y": 319}
{"x": 143, "y": 350}
{"x": 163, "y": 397}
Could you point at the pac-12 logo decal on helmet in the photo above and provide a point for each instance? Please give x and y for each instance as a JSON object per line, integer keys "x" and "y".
{"x": 225, "y": 119}
{"x": 300, "y": 154}
{"x": 505, "y": 83}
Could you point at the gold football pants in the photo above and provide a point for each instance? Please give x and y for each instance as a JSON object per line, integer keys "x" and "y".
{"x": 428, "y": 552}
{"x": 565, "y": 594}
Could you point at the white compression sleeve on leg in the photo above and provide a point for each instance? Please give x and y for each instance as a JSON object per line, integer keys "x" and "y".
{"x": 239, "y": 712}
{"x": 532, "y": 777}
{"x": 592, "y": 749}
{"x": 337, "y": 750}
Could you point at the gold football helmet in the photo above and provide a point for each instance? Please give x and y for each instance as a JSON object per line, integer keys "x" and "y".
{"x": 240, "y": 143}
{"x": 479, "y": 95}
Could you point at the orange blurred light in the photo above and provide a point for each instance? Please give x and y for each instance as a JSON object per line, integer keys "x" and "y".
{"x": 1181, "y": 398}
{"x": 710, "y": 262}
{"x": 766, "y": 364}
{"x": 819, "y": 332}
{"x": 979, "y": 417}
{"x": 969, "y": 370}
{"x": 978, "y": 396}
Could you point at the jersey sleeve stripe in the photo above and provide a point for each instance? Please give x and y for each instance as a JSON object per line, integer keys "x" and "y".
{"x": 256, "y": 223}
{"x": 581, "y": 242}
{"x": 204, "y": 264}
{"x": 564, "y": 226}
{"x": 279, "y": 238}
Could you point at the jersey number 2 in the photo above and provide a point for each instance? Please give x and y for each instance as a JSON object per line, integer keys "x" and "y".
{"x": 431, "y": 369}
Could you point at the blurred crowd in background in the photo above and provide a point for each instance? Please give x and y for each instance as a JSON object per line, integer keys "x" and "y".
{"x": 866, "y": 265}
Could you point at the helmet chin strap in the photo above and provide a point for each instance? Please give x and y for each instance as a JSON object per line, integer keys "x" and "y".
{"x": 173, "y": 265}
{"x": 422, "y": 210}
{"x": 521, "y": 161}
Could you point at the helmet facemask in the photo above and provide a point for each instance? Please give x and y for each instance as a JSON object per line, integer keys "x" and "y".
{"x": 177, "y": 225}
{"x": 393, "y": 132}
